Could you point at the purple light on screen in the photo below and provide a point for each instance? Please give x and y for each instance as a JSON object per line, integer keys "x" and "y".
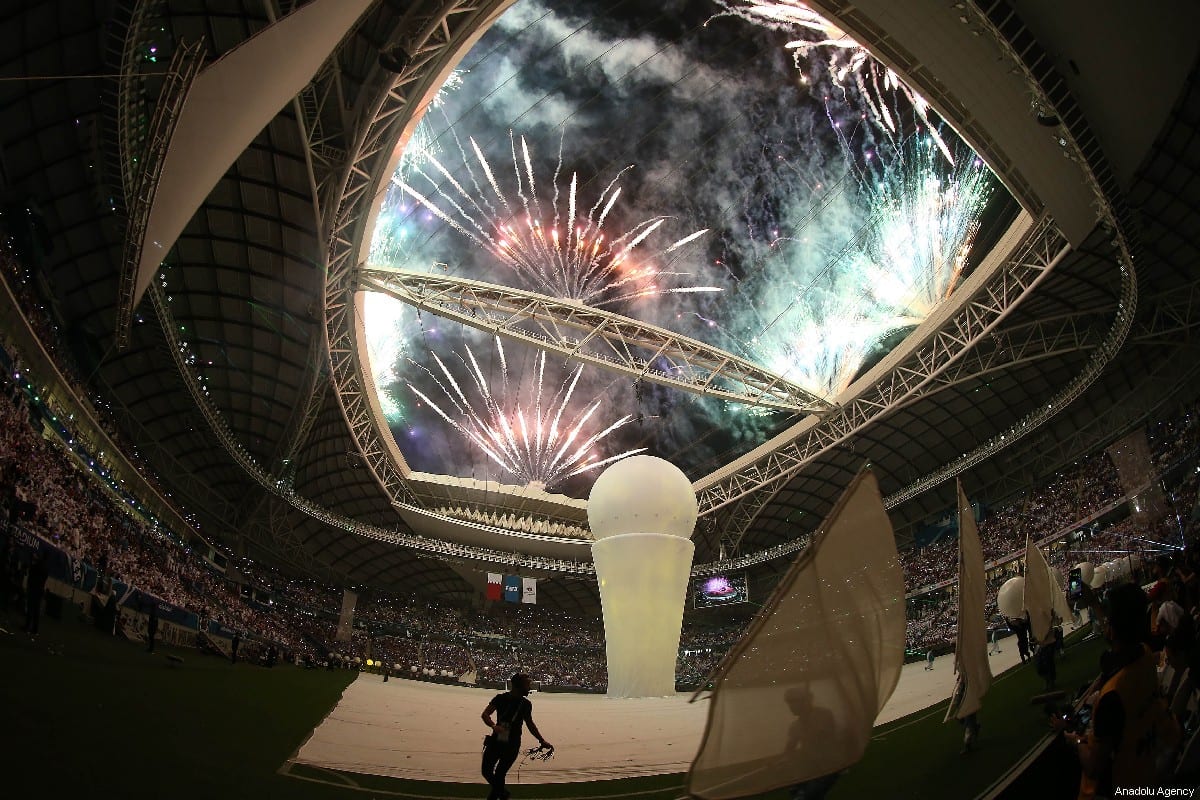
{"x": 718, "y": 586}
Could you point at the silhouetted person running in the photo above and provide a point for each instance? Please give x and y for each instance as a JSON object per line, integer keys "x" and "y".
{"x": 501, "y": 748}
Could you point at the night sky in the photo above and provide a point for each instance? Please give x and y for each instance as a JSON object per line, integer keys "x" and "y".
{"x": 724, "y": 134}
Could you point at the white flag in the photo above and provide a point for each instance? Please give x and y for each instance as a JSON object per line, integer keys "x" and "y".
{"x": 797, "y": 697}
{"x": 1039, "y": 593}
{"x": 970, "y": 647}
{"x": 528, "y": 590}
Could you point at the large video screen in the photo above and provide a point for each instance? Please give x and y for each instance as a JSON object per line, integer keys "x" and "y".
{"x": 720, "y": 590}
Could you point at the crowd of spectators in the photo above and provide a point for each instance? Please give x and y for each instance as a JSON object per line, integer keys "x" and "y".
{"x": 1070, "y": 498}
{"x": 19, "y": 278}
{"x": 93, "y": 523}
{"x": 66, "y": 503}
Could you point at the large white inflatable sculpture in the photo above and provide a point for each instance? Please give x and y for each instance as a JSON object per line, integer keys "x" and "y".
{"x": 642, "y": 511}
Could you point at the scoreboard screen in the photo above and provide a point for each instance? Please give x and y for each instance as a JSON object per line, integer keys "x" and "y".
{"x": 720, "y": 590}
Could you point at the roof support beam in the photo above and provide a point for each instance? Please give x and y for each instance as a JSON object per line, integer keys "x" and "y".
{"x": 597, "y": 337}
{"x": 978, "y": 314}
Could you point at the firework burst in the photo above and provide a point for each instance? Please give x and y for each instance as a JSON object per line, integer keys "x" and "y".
{"x": 924, "y": 223}
{"x": 845, "y": 60}
{"x": 906, "y": 258}
{"x": 392, "y": 240}
{"x": 825, "y": 344}
{"x": 559, "y": 250}
{"x": 538, "y": 442}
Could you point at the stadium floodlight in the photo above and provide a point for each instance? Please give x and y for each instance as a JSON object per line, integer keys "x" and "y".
{"x": 642, "y": 511}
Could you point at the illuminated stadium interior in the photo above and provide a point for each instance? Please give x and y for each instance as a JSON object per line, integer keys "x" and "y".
{"x": 301, "y": 414}
{"x": 436, "y": 264}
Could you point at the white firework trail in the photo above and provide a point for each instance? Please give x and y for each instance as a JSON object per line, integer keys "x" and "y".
{"x": 844, "y": 58}
{"x": 561, "y": 252}
{"x": 907, "y": 258}
{"x": 926, "y": 220}
{"x": 423, "y": 143}
{"x": 825, "y": 345}
{"x": 391, "y": 242}
{"x": 530, "y": 441}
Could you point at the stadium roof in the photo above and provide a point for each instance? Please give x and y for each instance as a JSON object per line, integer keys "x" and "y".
{"x": 1104, "y": 144}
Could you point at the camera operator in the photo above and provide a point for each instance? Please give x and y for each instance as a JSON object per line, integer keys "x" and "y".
{"x": 1130, "y": 733}
{"x": 503, "y": 745}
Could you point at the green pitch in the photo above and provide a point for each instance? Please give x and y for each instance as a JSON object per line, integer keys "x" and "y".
{"x": 87, "y": 715}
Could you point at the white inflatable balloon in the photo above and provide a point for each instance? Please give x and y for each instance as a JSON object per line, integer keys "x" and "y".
{"x": 642, "y": 494}
{"x": 1086, "y": 570}
{"x": 1099, "y": 576}
{"x": 1011, "y": 598}
{"x": 1127, "y": 567}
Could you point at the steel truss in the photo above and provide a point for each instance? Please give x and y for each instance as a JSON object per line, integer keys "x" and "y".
{"x": 143, "y": 183}
{"x": 320, "y": 100}
{"x": 1000, "y": 351}
{"x": 1021, "y": 344}
{"x": 1051, "y": 92}
{"x": 437, "y": 39}
{"x": 283, "y": 489}
{"x": 440, "y": 32}
{"x": 1172, "y": 314}
{"x": 441, "y": 29}
{"x": 978, "y": 315}
{"x": 596, "y": 337}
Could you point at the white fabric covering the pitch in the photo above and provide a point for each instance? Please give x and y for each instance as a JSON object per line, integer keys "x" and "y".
{"x": 797, "y": 697}
{"x": 970, "y": 648}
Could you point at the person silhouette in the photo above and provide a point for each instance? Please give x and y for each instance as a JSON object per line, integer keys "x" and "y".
{"x": 503, "y": 745}
{"x": 152, "y": 626}
{"x": 814, "y": 727}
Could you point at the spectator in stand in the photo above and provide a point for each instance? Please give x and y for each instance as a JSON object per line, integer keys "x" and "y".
{"x": 1170, "y": 617}
{"x": 1127, "y": 712}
